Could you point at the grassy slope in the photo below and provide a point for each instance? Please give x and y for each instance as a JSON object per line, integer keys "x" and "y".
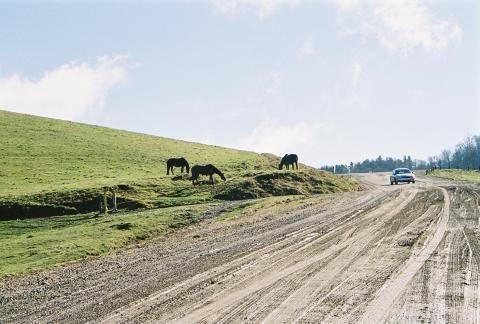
{"x": 46, "y": 161}
{"x": 43, "y": 242}
{"x": 462, "y": 175}
{"x": 58, "y": 163}
{"x": 35, "y": 244}
{"x": 41, "y": 155}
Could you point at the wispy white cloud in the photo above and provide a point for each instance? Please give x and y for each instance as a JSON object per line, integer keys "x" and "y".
{"x": 356, "y": 71}
{"x": 399, "y": 25}
{"x": 70, "y": 91}
{"x": 307, "y": 48}
{"x": 273, "y": 137}
{"x": 262, "y": 8}
{"x": 273, "y": 82}
{"x": 347, "y": 5}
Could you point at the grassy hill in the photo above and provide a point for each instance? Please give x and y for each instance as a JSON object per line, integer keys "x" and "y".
{"x": 53, "y": 167}
{"x": 52, "y": 173}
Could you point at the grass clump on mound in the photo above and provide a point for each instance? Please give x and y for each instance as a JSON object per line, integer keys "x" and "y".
{"x": 282, "y": 183}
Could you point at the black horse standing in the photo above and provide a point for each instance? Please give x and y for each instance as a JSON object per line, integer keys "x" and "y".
{"x": 208, "y": 169}
{"x": 177, "y": 162}
{"x": 287, "y": 160}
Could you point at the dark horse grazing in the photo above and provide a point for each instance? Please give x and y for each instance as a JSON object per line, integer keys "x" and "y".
{"x": 208, "y": 169}
{"x": 180, "y": 162}
{"x": 287, "y": 160}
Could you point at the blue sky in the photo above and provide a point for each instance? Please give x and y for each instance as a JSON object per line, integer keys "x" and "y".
{"x": 332, "y": 80}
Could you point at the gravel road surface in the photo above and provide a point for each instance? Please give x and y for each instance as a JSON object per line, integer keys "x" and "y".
{"x": 404, "y": 253}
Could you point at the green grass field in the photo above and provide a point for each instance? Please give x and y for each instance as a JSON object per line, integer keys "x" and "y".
{"x": 39, "y": 243}
{"x": 50, "y": 167}
{"x": 63, "y": 165}
{"x": 43, "y": 155}
{"x": 35, "y": 244}
{"x": 461, "y": 175}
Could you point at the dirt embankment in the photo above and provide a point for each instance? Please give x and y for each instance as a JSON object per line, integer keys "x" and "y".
{"x": 250, "y": 185}
{"x": 392, "y": 253}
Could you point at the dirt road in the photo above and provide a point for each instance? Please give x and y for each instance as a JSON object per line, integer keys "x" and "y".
{"x": 406, "y": 253}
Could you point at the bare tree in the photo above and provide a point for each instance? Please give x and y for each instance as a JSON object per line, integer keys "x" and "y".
{"x": 466, "y": 155}
{"x": 446, "y": 158}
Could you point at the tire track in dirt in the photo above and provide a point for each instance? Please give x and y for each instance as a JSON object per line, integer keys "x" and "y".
{"x": 379, "y": 308}
{"x": 348, "y": 294}
{"x": 461, "y": 295}
{"x": 260, "y": 257}
{"x": 472, "y": 280}
{"x": 260, "y": 271}
{"x": 447, "y": 287}
{"x": 213, "y": 310}
{"x": 103, "y": 282}
{"x": 290, "y": 311}
{"x": 331, "y": 260}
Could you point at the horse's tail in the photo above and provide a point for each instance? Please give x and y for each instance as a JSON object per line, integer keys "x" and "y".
{"x": 187, "y": 166}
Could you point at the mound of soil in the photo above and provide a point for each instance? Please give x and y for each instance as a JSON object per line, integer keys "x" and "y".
{"x": 64, "y": 203}
{"x": 280, "y": 183}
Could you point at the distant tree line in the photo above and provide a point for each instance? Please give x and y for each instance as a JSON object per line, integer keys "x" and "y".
{"x": 465, "y": 155}
{"x": 373, "y": 165}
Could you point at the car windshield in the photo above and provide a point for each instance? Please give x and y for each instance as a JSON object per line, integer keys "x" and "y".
{"x": 402, "y": 171}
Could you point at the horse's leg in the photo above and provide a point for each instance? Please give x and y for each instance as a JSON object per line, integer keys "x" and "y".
{"x": 168, "y": 169}
{"x": 181, "y": 169}
{"x": 211, "y": 178}
{"x": 296, "y": 163}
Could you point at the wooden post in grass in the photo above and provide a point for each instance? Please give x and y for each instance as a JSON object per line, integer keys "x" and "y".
{"x": 114, "y": 199}
{"x": 105, "y": 204}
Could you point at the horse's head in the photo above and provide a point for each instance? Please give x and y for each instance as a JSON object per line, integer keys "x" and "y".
{"x": 222, "y": 176}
